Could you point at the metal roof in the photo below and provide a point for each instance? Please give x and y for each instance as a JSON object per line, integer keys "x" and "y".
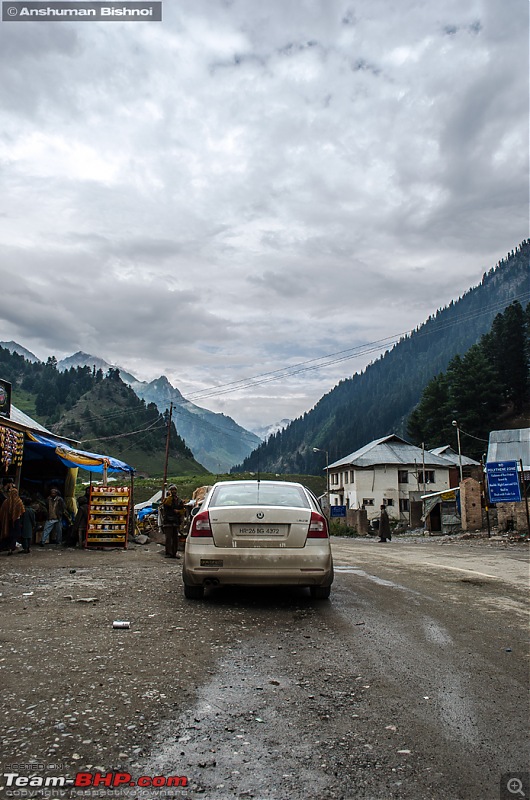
{"x": 510, "y": 446}
{"x": 390, "y": 450}
{"x": 447, "y": 452}
{"x": 23, "y": 420}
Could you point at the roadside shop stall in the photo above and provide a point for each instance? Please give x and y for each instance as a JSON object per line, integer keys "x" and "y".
{"x": 109, "y": 507}
{"x": 441, "y": 512}
{"x": 38, "y": 460}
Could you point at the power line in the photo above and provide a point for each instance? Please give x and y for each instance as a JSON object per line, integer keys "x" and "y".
{"x": 344, "y": 355}
{"x": 155, "y": 425}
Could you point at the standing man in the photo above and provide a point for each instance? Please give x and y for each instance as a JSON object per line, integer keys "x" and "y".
{"x": 384, "y": 526}
{"x": 29, "y": 524}
{"x": 81, "y": 519}
{"x": 54, "y": 524}
{"x": 172, "y": 516}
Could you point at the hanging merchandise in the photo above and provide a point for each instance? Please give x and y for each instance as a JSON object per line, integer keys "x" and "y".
{"x": 108, "y": 516}
{"x": 11, "y": 447}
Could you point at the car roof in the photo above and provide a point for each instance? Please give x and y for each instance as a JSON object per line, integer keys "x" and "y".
{"x": 255, "y": 481}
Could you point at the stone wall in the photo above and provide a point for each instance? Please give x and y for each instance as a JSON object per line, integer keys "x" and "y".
{"x": 512, "y": 517}
{"x": 358, "y": 518}
{"x": 470, "y": 505}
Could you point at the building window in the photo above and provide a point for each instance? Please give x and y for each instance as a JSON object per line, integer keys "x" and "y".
{"x": 388, "y": 501}
{"x": 403, "y": 476}
{"x": 352, "y": 476}
{"x": 368, "y": 501}
{"x": 404, "y": 505}
{"x": 429, "y": 476}
{"x": 334, "y": 479}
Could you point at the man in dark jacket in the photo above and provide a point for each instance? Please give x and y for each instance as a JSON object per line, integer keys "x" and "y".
{"x": 54, "y": 524}
{"x": 172, "y": 517}
{"x": 29, "y": 524}
{"x": 384, "y": 526}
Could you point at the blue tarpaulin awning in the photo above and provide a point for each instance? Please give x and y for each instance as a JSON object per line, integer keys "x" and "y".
{"x": 72, "y": 457}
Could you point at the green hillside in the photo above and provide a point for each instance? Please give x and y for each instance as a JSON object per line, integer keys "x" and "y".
{"x": 102, "y": 413}
{"x": 379, "y": 400}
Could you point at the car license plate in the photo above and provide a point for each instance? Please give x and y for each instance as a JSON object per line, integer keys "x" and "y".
{"x": 258, "y": 530}
{"x": 211, "y": 562}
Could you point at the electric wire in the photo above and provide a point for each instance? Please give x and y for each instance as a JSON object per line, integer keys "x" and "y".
{"x": 340, "y": 356}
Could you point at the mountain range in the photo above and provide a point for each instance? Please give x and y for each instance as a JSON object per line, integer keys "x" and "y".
{"x": 216, "y": 440}
{"x": 379, "y": 400}
{"x": 369, "y": 405}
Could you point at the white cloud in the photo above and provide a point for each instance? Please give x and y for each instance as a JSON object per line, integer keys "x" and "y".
{"x": 242, "y": 187}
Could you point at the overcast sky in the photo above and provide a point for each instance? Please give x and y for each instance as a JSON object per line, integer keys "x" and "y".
{"x": 249, "y": 185}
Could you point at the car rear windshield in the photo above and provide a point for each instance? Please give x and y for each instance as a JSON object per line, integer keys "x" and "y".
{"x": 260, "y": 495}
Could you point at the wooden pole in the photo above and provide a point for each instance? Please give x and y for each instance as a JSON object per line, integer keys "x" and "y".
{"x": 164, "y": 485}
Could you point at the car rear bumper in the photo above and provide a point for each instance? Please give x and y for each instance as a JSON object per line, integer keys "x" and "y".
{"x": 275, "y": 567}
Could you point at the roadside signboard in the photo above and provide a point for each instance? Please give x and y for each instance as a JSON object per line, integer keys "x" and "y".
{"x": 503, "y": 482}
{"x": 338, "y": 511}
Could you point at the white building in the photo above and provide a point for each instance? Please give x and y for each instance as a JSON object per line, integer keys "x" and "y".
{"x": 390, "y": 472}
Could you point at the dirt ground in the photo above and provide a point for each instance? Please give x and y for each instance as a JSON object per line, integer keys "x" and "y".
{"x": 76, "y": 691}
{"x": 79, "y": 695}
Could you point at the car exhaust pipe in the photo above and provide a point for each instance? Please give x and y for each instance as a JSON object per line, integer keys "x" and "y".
{"x": 211, "y": 581}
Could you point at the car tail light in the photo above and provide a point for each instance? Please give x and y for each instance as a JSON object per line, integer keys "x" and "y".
{"x": 318, "y": 527}
{"x": 201, "y": 525}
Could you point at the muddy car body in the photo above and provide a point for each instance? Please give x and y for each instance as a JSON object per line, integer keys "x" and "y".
{"x": 258, "y": 533}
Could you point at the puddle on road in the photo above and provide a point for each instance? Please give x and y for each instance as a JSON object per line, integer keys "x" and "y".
{"x": 373, "y": 578}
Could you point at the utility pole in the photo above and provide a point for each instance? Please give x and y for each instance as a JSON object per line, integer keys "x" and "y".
{"x": 457, "y": 426}
{"x": 318, "y": 450}
{"x": 485, "y": 495}
{"x": 525, "y": 495}
{"x": 164, "y": 485}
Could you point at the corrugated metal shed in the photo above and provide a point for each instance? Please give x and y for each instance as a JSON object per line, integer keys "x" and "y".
{"x": 510, "y": 446}
{"x": 390, "y": 450}
{"x": 447, "y": 452}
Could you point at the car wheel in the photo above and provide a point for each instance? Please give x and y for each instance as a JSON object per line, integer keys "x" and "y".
{"x": 320, "y": 592}
{"x": 193, "y": 592}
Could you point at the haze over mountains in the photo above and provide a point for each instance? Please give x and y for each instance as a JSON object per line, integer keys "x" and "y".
{"x": 216, "y": 440}
{"x": 379, "y": 400}
{"x": 366, "y": 406}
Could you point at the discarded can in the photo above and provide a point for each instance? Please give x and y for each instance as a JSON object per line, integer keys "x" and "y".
{"x": 121, "y": 623}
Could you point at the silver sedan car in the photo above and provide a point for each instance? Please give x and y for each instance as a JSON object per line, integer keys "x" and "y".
{"x": 258, "y": 533}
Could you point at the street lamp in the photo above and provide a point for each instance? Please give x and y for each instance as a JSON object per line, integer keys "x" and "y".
{"x": 318, "y": 450}
{"x": 457, "y": 426}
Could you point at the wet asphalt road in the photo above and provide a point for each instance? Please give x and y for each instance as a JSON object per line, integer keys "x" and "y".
{"x": 411, "y": 682}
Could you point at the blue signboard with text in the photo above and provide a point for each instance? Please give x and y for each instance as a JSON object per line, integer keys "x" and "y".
{"x": 338, "y": 511}
{"x": 503, "y": 482}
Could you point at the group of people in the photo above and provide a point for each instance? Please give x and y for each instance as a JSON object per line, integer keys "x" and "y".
{"x": 20, "y": 517}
